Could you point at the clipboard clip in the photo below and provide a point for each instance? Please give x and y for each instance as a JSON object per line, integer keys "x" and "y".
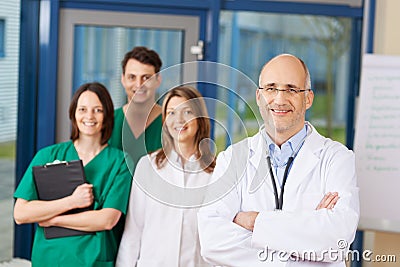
{"x": 55, "y": 162}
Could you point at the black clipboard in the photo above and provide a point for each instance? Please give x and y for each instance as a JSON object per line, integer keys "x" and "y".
{"x": 57, "y": 180}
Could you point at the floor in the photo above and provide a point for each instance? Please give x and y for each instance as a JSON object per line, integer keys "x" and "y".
{"x": 6, "y": 236}
{"x": 16, "y": 263}
{"x": 6, "y": 219}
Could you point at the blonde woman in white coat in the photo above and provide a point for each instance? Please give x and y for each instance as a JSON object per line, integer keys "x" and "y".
{"x": 161, "y": 224}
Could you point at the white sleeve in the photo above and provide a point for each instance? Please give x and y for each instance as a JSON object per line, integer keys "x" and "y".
{"x": 317, "y": 230}
{"x": 222, "y": 241}
{"x": 129, "y": 248}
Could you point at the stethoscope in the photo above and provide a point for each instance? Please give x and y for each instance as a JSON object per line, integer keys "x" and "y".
{"x": 279, "y": 199}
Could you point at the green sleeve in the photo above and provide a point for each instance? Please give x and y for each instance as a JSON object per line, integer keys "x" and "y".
{"x": 27, "y": 188}
{"x": 118, "y": 195}
{"x": 116, "y": 136}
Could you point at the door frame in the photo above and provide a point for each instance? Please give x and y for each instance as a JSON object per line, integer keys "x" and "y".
{"x": 69, "y": 18}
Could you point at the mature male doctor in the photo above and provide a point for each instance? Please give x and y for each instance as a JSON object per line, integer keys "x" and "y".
{"x": 274, "y": 215}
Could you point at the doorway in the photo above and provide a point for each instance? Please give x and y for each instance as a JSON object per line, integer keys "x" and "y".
{"x": 93, "y": 43}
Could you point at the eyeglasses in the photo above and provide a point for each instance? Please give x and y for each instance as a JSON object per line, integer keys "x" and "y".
{"x": 289, "y": 91}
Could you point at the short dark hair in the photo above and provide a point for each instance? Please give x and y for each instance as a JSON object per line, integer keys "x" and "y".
{"x": 108, "y": 110}
{"x": 144, "y": 56}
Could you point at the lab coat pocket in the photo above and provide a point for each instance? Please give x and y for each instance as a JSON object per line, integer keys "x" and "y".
{"x": 309, "y": 201}
{"x": 148, "y": 263}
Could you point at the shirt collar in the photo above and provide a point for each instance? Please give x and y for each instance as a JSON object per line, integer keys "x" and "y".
{"x": 191, "y": 164}
{"x": 281, "y": 155}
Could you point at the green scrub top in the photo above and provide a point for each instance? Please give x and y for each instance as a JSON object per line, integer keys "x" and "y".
{"x": 111, "y": 181}
{"x": 123, "y": 138}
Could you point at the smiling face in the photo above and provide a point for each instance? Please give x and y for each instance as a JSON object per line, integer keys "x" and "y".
{"x": 89, "y": 115}
{"x": 139, "y": 81}
{"x": 181, "y": 121}
{"x": 283, "y": 114}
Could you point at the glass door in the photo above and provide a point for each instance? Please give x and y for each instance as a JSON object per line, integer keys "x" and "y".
{"x": 92, "y": 45}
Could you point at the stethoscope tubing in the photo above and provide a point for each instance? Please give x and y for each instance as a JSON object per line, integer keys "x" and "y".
{"x": 279, "y": 199}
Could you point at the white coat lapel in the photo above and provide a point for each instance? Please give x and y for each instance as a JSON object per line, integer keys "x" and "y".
{"x": 257, "y": 171}
{"x": 305, "y": 161}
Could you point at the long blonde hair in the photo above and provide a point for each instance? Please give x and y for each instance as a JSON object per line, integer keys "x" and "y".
{"x": 203, "y": 152}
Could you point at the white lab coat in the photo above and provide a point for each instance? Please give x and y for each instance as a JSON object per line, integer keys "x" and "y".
{"x": 321, "y": 166}
{"x": 158, "y": 234}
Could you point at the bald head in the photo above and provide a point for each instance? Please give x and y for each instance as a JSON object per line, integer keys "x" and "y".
{"x": 282, "y": 110}
{"x": 289, "y": 63}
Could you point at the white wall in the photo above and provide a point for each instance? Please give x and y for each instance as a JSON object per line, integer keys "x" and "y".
{"x": 387, "y": 42}
{"x": 387, "y": 21}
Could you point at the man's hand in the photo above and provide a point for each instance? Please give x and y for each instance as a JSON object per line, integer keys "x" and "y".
{"x": 246, "y": 219}
{"x": 328, "y": 201}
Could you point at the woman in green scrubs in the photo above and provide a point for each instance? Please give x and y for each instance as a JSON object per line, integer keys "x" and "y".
{"x": 107, "y": 188}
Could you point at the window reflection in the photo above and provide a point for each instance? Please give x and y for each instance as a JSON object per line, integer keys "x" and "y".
{"x": 248, "y": 39}
{"x": 99, "y": 50}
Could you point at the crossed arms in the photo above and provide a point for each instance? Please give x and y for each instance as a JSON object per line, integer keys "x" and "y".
{"x": 48, "y": 213}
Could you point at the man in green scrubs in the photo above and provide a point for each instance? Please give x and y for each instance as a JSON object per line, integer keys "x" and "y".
{"x": 137, "y": 128}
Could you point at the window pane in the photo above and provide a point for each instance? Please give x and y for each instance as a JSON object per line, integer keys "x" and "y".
{"x": 249, "y": 39}
{"x": 98, "y": 52}
{"x": 9, "y": 42}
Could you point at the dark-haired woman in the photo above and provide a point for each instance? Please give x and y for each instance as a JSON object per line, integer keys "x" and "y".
{"x": 107, "y": 188}
{"x": 161, "y": 224}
